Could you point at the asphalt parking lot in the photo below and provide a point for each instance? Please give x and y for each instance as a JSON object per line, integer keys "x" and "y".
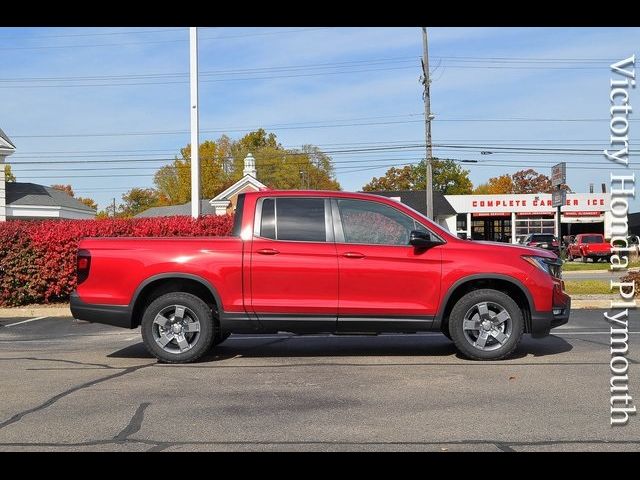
{"x": 72, "y": 385}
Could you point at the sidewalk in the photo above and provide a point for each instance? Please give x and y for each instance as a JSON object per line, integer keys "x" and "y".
{"x": 53, "y": 310}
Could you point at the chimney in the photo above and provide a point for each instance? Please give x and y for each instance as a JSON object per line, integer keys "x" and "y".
{"x": 249, "y": 166}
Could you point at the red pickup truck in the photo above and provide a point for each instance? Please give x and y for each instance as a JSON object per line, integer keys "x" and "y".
{"x": 313, "y": 262}
{"x": 589, "y": 245}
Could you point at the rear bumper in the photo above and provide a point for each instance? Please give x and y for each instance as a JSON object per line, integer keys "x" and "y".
{"x": 116, "y": 315}
{"x": 543, "y": 322}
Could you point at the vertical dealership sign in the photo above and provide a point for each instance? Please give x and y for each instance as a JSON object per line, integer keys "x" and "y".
{"x": 559, "y": 196}
{"x": 623, "y": 79}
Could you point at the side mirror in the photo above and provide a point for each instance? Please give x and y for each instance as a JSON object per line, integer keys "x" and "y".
{"x": 421, "y": 239}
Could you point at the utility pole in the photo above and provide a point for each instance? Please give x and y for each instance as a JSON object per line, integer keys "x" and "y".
{"x": 195, "y": 158}
{"x": 114, "y": 207}
{"x": 427, "y": 121}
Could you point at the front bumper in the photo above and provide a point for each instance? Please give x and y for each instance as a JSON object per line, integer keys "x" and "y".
{"x": 543, "y": 322}
{"x": 116, "y": 315}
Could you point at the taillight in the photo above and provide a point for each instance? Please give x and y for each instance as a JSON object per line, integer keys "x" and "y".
{"x": 83, "y": 265}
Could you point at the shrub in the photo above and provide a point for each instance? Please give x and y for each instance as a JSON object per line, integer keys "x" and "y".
{"x": 632, "y": 276}
{"x": 37, "y": 259}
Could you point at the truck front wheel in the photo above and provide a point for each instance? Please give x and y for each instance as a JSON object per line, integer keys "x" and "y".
{"x": 177, "y": 328}
{"x": 486, "y": 325}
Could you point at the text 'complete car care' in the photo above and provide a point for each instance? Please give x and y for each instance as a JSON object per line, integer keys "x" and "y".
{"x": 320, "y": 262}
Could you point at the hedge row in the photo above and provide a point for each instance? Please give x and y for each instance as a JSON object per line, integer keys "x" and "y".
{"x": 37, "y": 259}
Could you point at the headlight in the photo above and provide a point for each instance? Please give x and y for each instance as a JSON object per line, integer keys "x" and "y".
{"x": 549, "y": 265}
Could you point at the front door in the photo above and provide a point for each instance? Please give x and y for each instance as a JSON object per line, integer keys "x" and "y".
{"x": 294, "y": 268}
{"x": 385, "y": 283}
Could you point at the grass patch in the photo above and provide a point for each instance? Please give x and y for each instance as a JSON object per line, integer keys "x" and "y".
{"x": 579, "y": 266}
{"x": 576, "y": 287}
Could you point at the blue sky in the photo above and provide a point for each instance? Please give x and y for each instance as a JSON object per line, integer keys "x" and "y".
{"x": 102, "y": 94}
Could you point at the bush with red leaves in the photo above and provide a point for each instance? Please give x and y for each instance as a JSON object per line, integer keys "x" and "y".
{"x": 37, "y": 259}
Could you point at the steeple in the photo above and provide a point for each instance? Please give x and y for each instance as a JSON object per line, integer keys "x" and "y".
{"x": 249, "y": 166}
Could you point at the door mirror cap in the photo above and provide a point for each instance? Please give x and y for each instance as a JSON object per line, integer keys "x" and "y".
{"x": 420, "y": 239}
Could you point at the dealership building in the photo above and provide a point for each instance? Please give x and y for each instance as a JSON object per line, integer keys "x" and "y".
{"x": 508, "y": 217}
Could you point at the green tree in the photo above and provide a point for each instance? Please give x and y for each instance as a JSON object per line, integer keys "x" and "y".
{"x": 173, "y": 182}
{"x": 138, "y": 200}
{"x": 448, "y": 178}
{"x": 222, "y": 164}
{"x": 8, "y": 174}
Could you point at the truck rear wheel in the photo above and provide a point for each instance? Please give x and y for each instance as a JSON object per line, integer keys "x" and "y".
{"x": 177, "y": 328}
{"x": 486, "y": 325}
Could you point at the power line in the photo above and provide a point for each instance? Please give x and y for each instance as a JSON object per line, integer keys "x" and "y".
{"x": 235, "y": 71}
{"x": 319, "y": 125}
{"x": 232, "y": 79}
{"x": 149, "y": 42}
{"x": 98, "y": 34}
{"x": 459, "y": 141}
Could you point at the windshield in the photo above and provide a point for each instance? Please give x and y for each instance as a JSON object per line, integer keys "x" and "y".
{"x": 592, "y": 239}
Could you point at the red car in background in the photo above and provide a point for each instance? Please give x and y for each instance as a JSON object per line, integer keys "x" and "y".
{"x": 589, "y": 245}
{"x": 543, "y": 240}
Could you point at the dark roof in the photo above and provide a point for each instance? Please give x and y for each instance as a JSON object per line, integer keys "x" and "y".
{"x": 171, "y": 210}
{"x": 417, "y": 199}
{"x": 5, "y": 138}
{"x": 19, "y": 193}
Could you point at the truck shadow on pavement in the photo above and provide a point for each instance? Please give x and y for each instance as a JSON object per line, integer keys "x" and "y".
{"x": 286, "y": 346}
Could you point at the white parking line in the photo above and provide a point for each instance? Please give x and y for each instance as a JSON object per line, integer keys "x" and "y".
{"x": 605, "y": 332}
{"x": 26, "y": 321}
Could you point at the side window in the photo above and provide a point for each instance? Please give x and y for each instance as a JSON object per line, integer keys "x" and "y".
{"x": 375, "y": 224}
{"x": 268, "y": 221}
{"x": 296, "y": 219}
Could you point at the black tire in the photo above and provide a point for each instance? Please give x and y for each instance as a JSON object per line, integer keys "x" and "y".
{"x": 496, "y": 300}
{"x": 569, "y": 257}
{"x": 584, "y": 259}
{"x": 194, "y": 307}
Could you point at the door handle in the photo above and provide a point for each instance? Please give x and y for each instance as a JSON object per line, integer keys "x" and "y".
{"x": 353, "y": 255}
{"x": 267, "y": 251}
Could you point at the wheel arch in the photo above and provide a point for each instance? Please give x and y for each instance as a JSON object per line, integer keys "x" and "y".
{"x": 158, "y": 285}
{"x": 504, "y": 283}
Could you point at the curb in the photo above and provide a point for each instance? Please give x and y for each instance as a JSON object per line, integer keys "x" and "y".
{"x": 35, "y": 312}
{"x": 581, "y": 304}
{"x": 590, "y": 272}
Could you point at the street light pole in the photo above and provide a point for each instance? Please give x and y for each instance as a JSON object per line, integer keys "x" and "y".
{"x": 195, "y": 158}
{"x": 427, "y": 122}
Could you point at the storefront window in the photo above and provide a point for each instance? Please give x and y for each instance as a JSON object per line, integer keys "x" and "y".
{"x": 525, "y": 226}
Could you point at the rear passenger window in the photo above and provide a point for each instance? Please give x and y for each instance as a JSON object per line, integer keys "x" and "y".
{"x": 268, "y": 222}
{"x": 294, "y": 219}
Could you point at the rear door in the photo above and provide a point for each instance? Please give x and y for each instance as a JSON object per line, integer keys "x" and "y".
{"x": 294, "y": 267}
{"x": 385, "y": 283}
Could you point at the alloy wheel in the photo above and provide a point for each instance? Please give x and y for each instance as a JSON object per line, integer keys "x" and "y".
{"x": 176, "y": 329}
{"x": 487, "y": 326}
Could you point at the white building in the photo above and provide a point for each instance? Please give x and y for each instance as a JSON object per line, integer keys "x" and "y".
{"x": 30, "y": 201}
{"x": 508, "y": 217}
